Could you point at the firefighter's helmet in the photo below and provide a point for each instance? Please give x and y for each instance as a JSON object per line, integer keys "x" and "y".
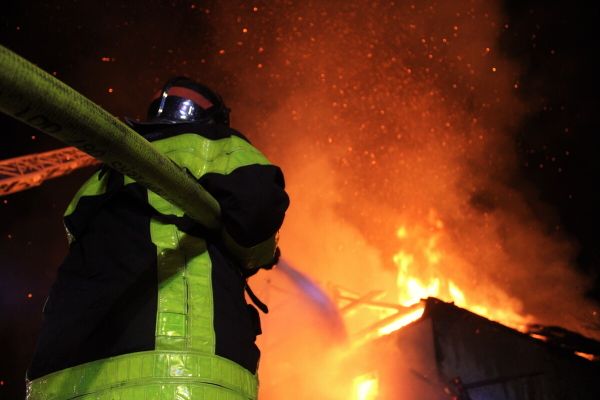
{"x": 183, "y": 100}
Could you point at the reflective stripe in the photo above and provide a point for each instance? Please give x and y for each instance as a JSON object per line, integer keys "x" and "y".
{"x": 162, "y": 391}
{"x": 147, "y": 374}
{"x": 201, "y": 155}
{"x": 183, "y": 364}
{"x": 185, "y": 312}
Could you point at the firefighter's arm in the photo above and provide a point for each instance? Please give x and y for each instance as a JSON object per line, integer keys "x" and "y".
{"x": 253, "y": 202}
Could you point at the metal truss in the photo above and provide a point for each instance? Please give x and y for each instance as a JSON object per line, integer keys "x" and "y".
{"x": 22, "y": 173}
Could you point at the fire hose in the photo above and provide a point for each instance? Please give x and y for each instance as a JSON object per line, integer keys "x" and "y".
{"x": 38, "y": 99}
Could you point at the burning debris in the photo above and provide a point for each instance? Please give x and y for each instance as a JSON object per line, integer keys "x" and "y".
{"x": 450, "y": 353}
{"x": 431, "y": 350}
{"x": 395, "y": 124}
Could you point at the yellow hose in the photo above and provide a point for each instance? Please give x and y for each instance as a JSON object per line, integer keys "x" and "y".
{"x": 38, "y": 99}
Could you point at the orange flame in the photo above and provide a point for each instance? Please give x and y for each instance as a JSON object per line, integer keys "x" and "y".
{"x": 372, "y": 133}
{"x": 419, "y": 277}
{"x": 366, "y": 387}
{"x": 402, "y": 321}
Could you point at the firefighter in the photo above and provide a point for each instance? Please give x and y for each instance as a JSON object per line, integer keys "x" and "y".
{"x": 149, "y": 304}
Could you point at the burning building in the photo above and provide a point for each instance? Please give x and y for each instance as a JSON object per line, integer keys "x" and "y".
{"x": 395, "y": 123}
{"x": 440, "y": 352}
{"x": 451, "y": 353}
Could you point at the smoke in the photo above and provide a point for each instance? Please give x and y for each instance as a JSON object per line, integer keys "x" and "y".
{"x": 383, "y": 115}
{"x": 396, "y": 115}
{"x": 400, "y": 114}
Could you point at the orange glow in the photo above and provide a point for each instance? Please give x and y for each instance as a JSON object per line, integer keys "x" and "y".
{"x": 539, "y": 337}
{"x": 401, "y": 232}
{"x": 366, "y": 387}
{"x": 399, "y": 168}
{"x": 419, "y": 263}
{"x": 587, "y": 356}
{"x": 402, "y": 321}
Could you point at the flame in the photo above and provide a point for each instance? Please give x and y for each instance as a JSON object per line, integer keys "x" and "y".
{"x": 423, "y": 272}
{"x": 402, "y": 321}
{"x": 366, "y": 387}
{"x": 398, "y": 166}
{"x": 589, "y": 357}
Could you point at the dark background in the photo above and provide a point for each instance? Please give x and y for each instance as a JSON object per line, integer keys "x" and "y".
{"x": 555, "y": 43}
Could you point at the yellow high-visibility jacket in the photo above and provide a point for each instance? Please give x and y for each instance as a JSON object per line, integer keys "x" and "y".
{"x": 150, "y": 305}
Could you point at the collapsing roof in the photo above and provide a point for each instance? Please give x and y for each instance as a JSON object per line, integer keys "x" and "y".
{"x": 451, "y": 353}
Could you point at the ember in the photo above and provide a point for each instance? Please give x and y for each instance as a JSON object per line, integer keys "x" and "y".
{"x": 366, "y": 387}
{"x": 395, "y": 124}
{"x": 398, "y": 152}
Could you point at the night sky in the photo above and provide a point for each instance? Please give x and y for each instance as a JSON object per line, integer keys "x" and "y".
{"x": 118, "y": 53}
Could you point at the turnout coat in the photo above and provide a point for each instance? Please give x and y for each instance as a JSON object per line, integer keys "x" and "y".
{"x": 147, "y": 303}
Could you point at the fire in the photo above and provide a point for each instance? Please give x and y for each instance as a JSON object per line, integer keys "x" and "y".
{"x": 402, "y": 321}
{"x": 587, "y": 356}
{"x": 422, "y": 272}
{"x": 369, "y": 146}
{"x": 425, "y": 267}
{"x": 366, "y": 387}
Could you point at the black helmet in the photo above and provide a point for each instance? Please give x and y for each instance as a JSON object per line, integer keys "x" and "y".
{"x": 183, "y": 100}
